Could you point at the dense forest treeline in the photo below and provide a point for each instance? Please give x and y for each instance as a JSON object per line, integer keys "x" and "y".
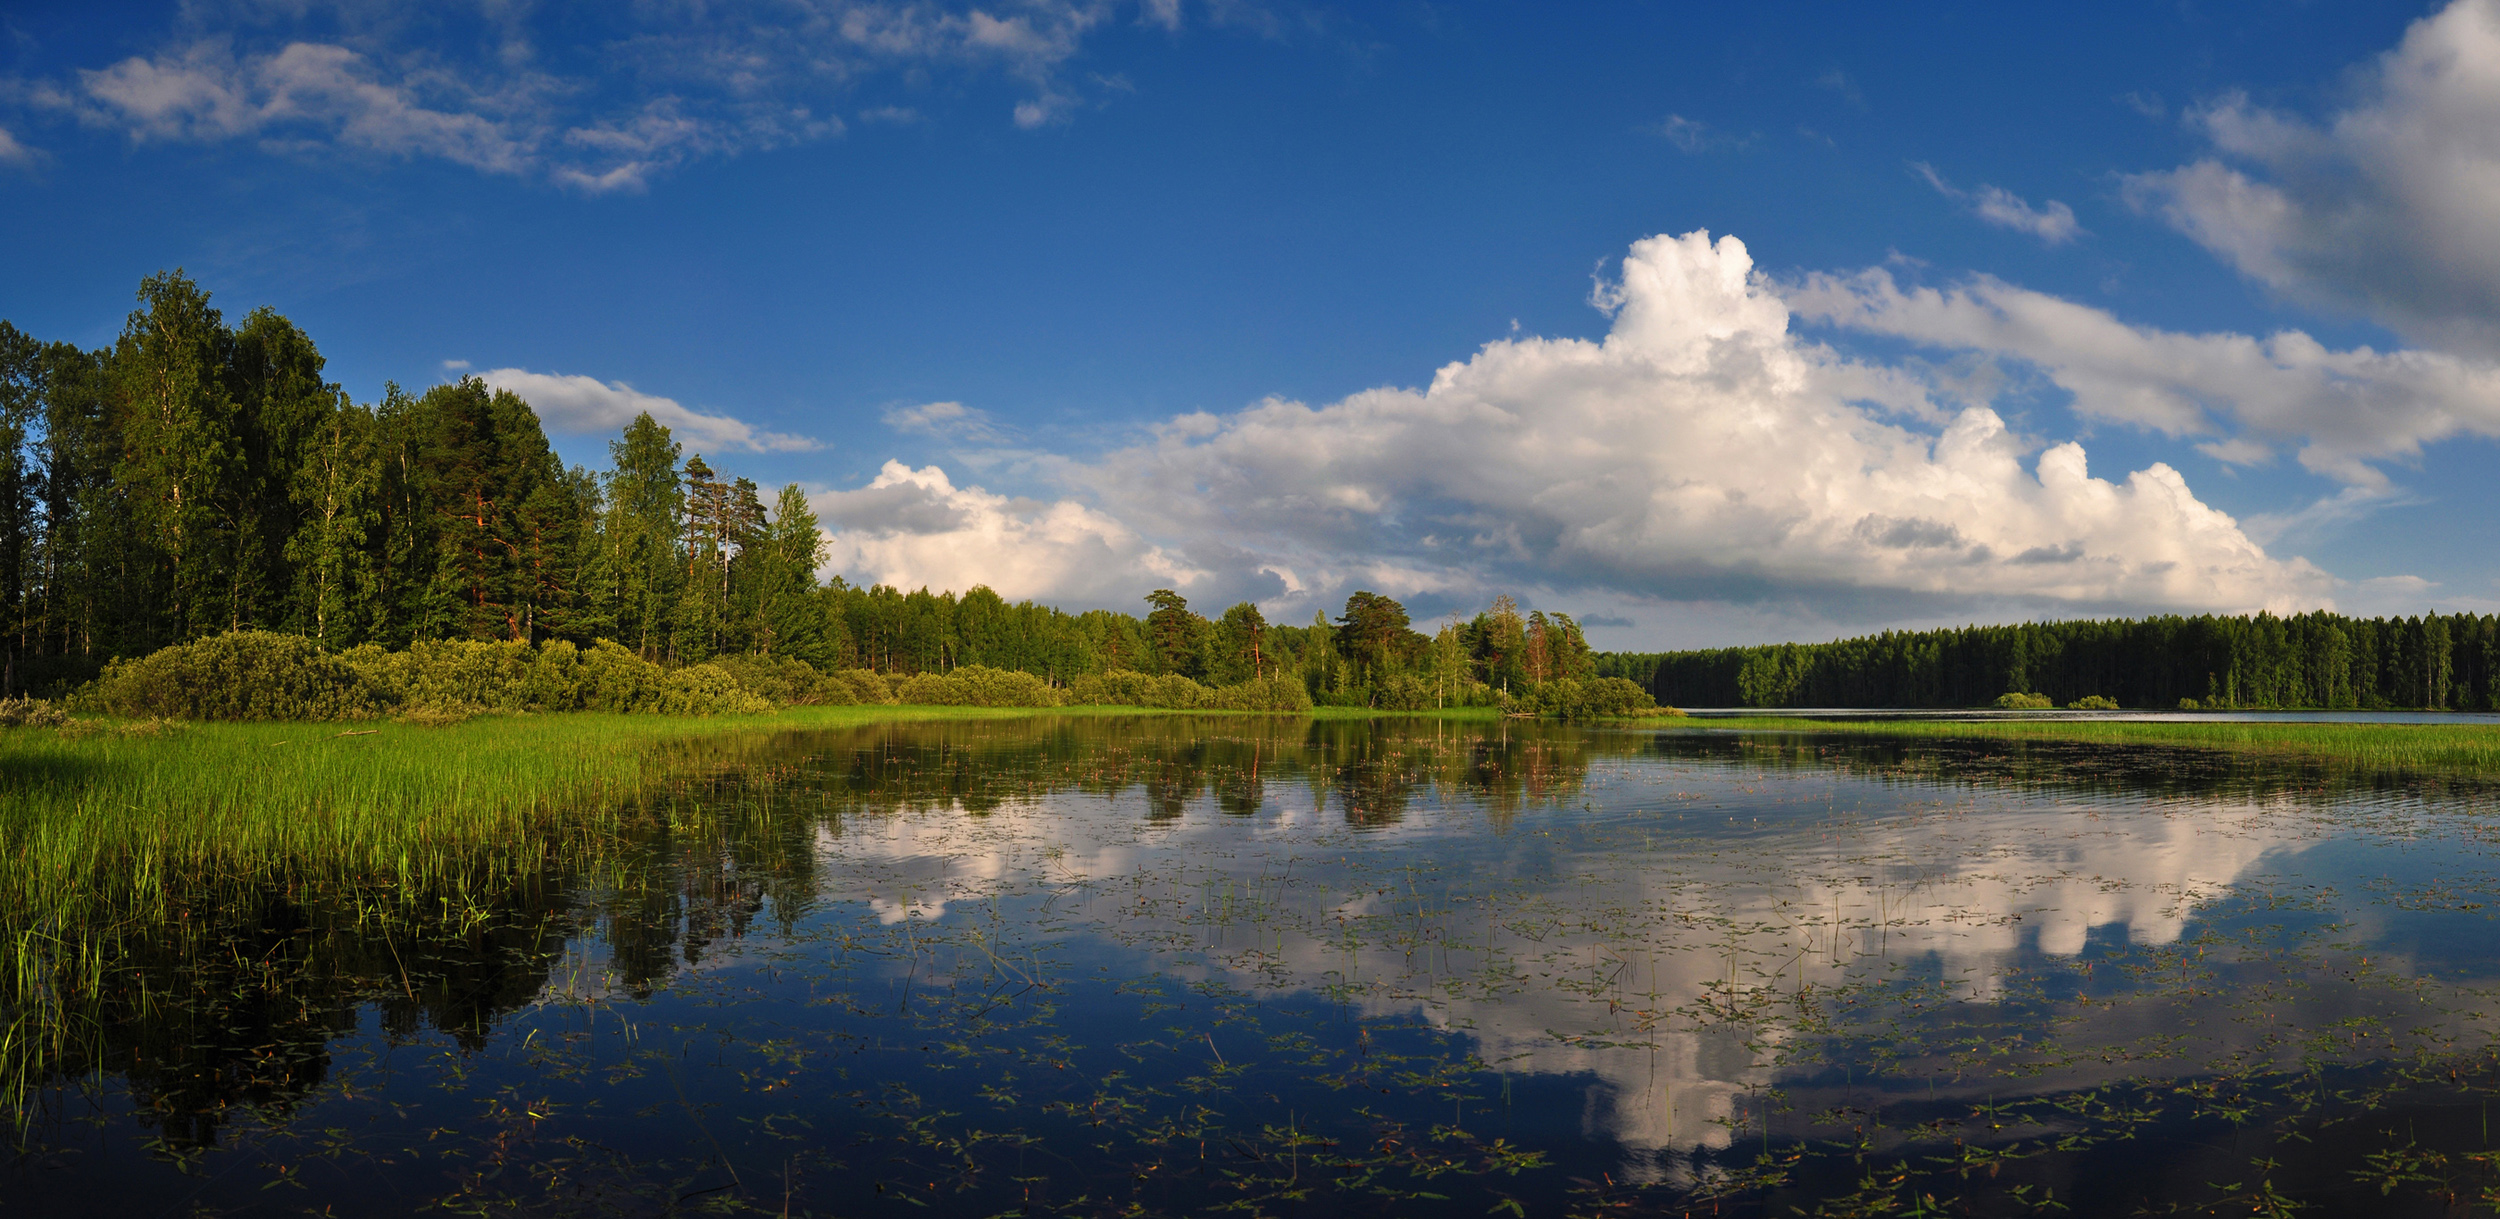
{"x": 2436, "y": 661}
{"x": 199, "y": 478}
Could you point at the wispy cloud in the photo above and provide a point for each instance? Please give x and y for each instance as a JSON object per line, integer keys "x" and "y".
{"x": 628, "y": 95}
{"x": 588, "y": 406}
{"x": 2054, "y": 223}
{"x": 2346, "y": 411}
{"x": 949, "y": 420}
{"x": 2385, "y": 206}
{"x": 1841, "y": 83}
{"x": 1689, "y": 135}
{"x": 14, "y": 153}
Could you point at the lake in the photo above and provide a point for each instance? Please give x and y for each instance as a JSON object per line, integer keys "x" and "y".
{"x": 1164, "y": 965}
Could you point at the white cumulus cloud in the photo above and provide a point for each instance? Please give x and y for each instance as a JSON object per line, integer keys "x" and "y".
{"x": 1700, "y": 452}
{"x": 588, "y": 405}
{"x": 911, "y": 528}
{"x": 2386, "y": 206}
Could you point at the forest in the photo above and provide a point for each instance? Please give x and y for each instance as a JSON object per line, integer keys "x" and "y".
{"x": 2313, "y": 660}
{"x": 198, "y": 478}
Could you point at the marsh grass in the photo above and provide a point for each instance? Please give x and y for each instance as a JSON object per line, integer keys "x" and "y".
{"x": 122, "y": 840}
{"x": 2395, "y": 749}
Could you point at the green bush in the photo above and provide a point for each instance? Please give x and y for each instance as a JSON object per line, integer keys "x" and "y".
{"x": 1275, "y": 692}
{"x": 241, "y": 675}
{"x": 30, "y": 713}
{"x": 977, "y": 686}
{"x": 1402, "y": 693}
{"x": 1569, "y": 699}
{"x": 787, "y": 680}
{"x": 451, "y": 676}
{"x": 2025, "y": 702}
{"x": 1128, "y": 688}
{"x": 864, "y": 687}
{"x": 258, "y": 675}
{"x": 2094, "y": 702}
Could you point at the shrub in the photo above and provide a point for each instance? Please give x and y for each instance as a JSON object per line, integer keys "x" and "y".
{"x": 1402, "y": 693}
{"x": 1128, "y": 688}
{"x": 1569, "y": 699}
{"x": 257, "y": 675}
{"x": 2024, "y": 702}
{"x": 706, "y": 689}
{"x": 1274, "y": 692}
{"x": 30, "y": 713}
{"x": 786, "y": 680}
{"x": 863, "y": 686}
{"x": 977, "y": 686}
{"x": 2094, "y": 702}
{"x": 240, "y": 675}
{"x": 450, "y": 676}
{"x": 2188, "y": 704}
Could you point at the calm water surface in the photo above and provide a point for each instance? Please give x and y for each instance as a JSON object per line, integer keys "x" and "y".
{"x": 1148, "y": 966}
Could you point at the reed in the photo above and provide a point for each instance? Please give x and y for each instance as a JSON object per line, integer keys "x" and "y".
{"x": 117, "y": 833}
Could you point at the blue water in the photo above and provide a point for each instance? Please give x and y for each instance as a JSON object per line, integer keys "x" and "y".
{"x": 1175, "y": 966}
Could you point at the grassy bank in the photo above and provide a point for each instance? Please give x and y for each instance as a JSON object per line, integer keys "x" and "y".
{"x": 2394, "y": 748}
{"x": 107, "y": 827}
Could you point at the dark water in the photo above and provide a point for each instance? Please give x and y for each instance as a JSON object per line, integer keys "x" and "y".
{"x": 1150, "y": 966}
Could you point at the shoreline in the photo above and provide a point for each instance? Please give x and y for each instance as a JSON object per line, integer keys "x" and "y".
{"x": 2423, "y": 748}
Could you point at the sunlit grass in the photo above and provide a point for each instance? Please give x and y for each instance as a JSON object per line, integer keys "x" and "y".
{"x": 115, "y": 831}
{"x": 2387, "y": 748}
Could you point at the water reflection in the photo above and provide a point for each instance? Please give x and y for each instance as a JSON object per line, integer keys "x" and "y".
{"x": 1579, "y": 969}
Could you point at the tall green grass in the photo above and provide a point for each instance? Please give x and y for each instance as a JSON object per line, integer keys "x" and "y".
{"x": 119, "y": 838}
{"x": 2428, "y": 749}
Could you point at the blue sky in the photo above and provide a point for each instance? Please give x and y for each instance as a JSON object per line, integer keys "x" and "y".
{"x": 1284, "y": 300}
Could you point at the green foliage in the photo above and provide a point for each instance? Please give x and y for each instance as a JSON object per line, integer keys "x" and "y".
{"x": 31, "y": 713}
{"x": 1274, "y": 692}
{"x": 1571, "y": 699}
{"x": 200, "y": 478}
{"x": 241, "y": 675}
{"x": 865, "y": 686}
{"x": 786, "y": 680}
{"x": 1129, "y": 688}
{"x": 2024, "y": 702}
{"x": 2446, "y": 662}
{"x": 262, "y": 675}
{"x": 976, "y": 686}
{"x": 2094, "y": 702}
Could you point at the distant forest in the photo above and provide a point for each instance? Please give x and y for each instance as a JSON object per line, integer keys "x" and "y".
{"x": 2435, "y": 661}
{"x": 198, "y": 477}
